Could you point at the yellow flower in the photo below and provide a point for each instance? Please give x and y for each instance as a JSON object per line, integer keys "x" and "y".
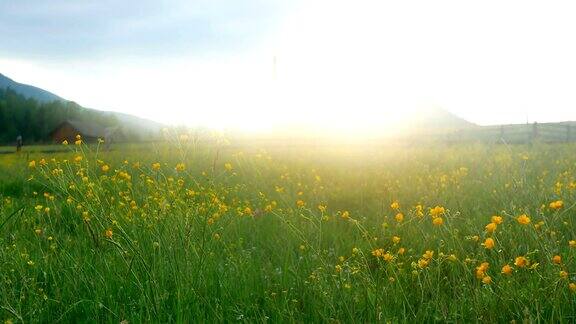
{"x": 557, "y": 259}
{"x": 156, "y": 166}
{"x": 487, "y": 280}
{"x": 395, "y": 205}
{"x": 180, "y": 167}
{"x": 481, "y": 270}
{"x": 507, "y": 270}
{"x": 401, "y": 250}
{"x": 428, "y": 255}
{"x": 563, "y": 274}
{"x": 489, "y": 243}
{"x": 78, "y": 137}
{"x": 108, "y": 233}
{"x": 572, "y": 243}
{"x": 452, "y": 257}
{"x": 521, "y": 262}
{"x": 64, "y": 142}
{"x": 78, "y": 142}
{"x": 388, "y": 257}
{"x": 228, "y": 166}
{"x": 378, "y": 252}
{"x": 395, "y": 239}
{"x": 523, "y": 219}
{"x": 32, "y": 164}
{"x": 556, "y": 204}
{"x": 105, "y": 168}
{"x": 78, "y": 159}
{"x": 300, "y": 203}
{"x": 497, "y": 219}
{"x": 491, "y": 227}
{"x": 437, "y": 211}
{"x": 572, "y": 287}
{"x": 438, "y": 221}
{"x": 399, "y": 217}
{"x": 422, "y": 263}
{"x": 419, "y": 210}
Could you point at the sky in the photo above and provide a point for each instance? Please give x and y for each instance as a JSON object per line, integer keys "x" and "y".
{"x": 260, "y": 64}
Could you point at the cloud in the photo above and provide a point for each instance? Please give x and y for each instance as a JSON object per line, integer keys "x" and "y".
{"x": 67, "y": 30}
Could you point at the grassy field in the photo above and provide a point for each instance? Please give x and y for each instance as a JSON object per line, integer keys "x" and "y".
{"x": 188, "y": 231}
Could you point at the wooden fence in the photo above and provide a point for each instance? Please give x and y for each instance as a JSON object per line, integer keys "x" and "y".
{"x": 517, "y": 133}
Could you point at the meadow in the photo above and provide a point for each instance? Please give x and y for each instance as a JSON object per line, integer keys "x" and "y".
{"x": 198, "y": 230}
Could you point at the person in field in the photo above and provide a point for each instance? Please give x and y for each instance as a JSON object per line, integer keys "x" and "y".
{"x": 18, "y": 143}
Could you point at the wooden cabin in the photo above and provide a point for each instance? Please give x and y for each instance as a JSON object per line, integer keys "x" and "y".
{"x": 90, "y": 133}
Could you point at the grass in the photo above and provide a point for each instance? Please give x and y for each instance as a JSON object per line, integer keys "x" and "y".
{"x": 215, "y": 233}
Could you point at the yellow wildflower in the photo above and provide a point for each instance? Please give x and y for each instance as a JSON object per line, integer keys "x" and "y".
{"x": 428, "y": 255}
{"x": 521, "y": 262}
{"x": 497, "y": 219}
{"x": 180, "y": 167}
{"x": 437, "y": 211}
{"x": 489, "y": 243}
{"x": 523, "y": 219}
{"x": 491, "y": 227}
{"x": 438, "y": 221}
{"x": 556, "y": 204}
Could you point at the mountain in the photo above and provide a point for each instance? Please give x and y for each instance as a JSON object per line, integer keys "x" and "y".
{"x": 437, "y": 118}
{"x": 27, "y": 91}
{"x": 34, "y": 112}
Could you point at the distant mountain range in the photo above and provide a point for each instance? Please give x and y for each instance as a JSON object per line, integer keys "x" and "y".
{"x": 27, "y": 90}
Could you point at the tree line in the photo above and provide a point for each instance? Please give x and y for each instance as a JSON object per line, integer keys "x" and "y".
{"x": 34, "y": 120}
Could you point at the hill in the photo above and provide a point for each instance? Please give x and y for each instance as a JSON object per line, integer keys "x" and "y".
{"x": 33, "y": 112}
{"x": 27, "y": 91}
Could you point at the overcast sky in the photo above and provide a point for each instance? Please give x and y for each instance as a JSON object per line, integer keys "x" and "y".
{"x": 254, "y": 63}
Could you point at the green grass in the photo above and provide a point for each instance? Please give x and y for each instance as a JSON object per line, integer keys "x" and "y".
{"x": 210, "y": 243}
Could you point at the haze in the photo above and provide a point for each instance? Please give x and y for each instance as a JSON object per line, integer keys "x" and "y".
{"x": 256, "y": 65}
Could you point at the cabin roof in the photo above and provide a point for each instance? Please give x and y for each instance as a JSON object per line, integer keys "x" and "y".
{"x": 84, "y": 128}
